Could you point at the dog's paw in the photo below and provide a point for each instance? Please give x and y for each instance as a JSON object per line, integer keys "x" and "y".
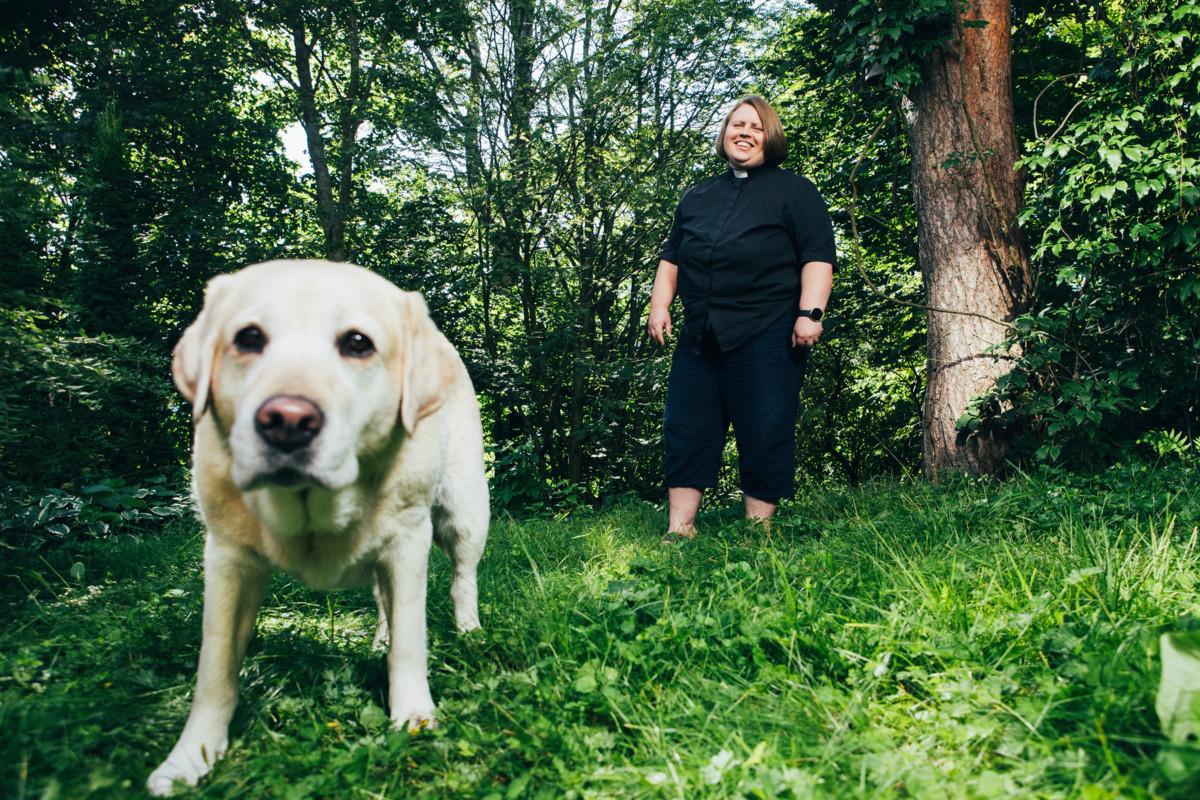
{"x": 415, "y": 721}
{"x": 186, "y": 765}
{"x": 469, "y": 624}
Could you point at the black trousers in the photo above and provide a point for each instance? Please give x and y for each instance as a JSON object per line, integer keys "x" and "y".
{"x": 755, "y": 386}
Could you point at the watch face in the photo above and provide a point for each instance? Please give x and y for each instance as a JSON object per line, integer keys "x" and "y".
{"x": 814, "y": 314}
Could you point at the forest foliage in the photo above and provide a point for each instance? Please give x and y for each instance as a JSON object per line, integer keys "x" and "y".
{"x": 518, "y": 162}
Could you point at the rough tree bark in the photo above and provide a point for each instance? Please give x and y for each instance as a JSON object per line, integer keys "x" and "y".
{"x": 973, "y": 258}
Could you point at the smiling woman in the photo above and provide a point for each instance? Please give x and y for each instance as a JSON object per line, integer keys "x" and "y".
{"x": 751, "y": 257}
{"x": 752, "y": 135}
{"x": 742, "y": 143}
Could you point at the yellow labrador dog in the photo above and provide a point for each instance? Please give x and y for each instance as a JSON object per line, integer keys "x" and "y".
{"x": 337, "y": 436}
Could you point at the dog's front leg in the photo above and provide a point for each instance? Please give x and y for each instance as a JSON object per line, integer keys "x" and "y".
{"x": 401, "y": 575}
{"x": 234, "y": 583}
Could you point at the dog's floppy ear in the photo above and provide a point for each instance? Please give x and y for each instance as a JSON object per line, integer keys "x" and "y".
{"x": 427, "y": 361}
{"x": 196, "y": 350}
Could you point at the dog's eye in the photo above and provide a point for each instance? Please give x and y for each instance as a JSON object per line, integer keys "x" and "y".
{"x": 355, "y": 344}
{"x": 250, "y": 339}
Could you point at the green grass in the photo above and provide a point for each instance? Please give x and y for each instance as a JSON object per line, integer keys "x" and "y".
{"x": 965, "y": 640}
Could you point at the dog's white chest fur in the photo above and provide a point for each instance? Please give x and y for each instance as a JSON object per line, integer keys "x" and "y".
{"x": 317, "y": 535}
{"x": 328, "y": 540}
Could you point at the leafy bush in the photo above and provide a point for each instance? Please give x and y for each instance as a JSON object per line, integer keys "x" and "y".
{"x": 518, "y": 487}
{"x": 32, "y": 518}
{"x": 1110, "y": 351}
{"x": 80, "y": 407}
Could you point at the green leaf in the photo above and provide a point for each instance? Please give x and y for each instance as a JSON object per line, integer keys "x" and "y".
{"x": 372, "y": 718}
{"x": 518, "y": 786}
{"x": 1078, "y": 576}
{"x": 1178, "y": 701}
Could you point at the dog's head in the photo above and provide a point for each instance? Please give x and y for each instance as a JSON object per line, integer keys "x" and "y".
{"x": 309, "y": 368}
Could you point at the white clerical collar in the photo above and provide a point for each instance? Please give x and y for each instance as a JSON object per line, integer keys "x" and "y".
{"x": 741, "y": 173}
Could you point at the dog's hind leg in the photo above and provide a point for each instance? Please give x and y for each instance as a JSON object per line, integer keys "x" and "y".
{"x": 461, "y": 526}
{"x": 380, "y": 641}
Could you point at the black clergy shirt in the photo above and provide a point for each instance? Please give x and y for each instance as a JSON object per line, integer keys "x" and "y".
{"x": 740, "y": 244}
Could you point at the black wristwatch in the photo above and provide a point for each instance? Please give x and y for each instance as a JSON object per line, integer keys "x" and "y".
{"x": 815, "y": 314}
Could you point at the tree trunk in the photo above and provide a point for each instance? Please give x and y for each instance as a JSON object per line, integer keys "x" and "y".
{"x": 333, "y": 209}
{"x": 310, "y": 119}
{"x": 972, "y": 256}
{"x": 350, "y": 119}
{"x": 477, "y": 193}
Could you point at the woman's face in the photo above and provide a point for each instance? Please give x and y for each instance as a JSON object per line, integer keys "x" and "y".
{"x": 744, "y": 138}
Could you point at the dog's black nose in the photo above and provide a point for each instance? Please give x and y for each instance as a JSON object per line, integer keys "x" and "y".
{"x": 288, "y": 423}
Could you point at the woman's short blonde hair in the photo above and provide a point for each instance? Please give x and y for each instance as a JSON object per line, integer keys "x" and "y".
{"x": 775, "y": 146}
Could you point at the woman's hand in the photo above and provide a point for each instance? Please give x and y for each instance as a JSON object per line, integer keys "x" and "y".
{"x": 806, "y": 333}
{"x": 659, "y": 324}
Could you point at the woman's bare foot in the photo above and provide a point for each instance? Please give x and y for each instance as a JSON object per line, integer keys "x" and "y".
{"x": 685, "y": 533}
